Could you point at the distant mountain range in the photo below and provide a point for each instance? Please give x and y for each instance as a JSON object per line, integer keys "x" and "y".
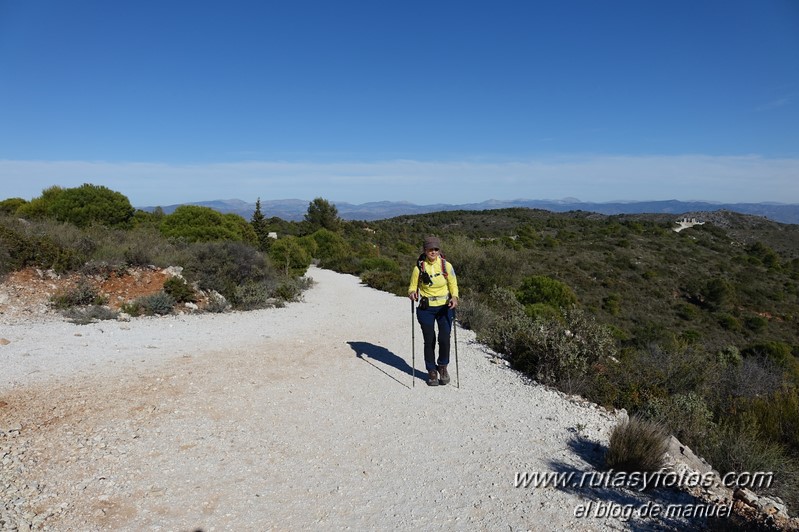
{"x": 294, "y": 209}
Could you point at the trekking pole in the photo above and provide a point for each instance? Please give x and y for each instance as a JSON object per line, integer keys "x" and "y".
{"x": 413, "y": 349}
{"x": 455, "y": 326}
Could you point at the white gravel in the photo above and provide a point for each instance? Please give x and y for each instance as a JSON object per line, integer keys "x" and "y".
{"x": 291, "y": 419}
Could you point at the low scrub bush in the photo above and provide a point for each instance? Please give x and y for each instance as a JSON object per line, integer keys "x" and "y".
{"x": 224, "y": 266}
{"x": 290, "y": 256}
{"x": 388, "y": 281}
{"x": 737, "y": 447}
{"x": 90, "y": 314}
{"x": 291, "y": 289}
{"x": 159, "y": 303}
{"x": 687, "y": 416}
{"x": 180, "y": 290}
{"x": 540, "y": 289}
{"x": 637, "y": 445}
{"x": 22, "y": 249}
{"x": 83, "y": 293}
{"x": 217, "y": 303}
{"x": 253, "y": 295}
{"x": 380, "y": 264}
{"x": 777, "y": 416}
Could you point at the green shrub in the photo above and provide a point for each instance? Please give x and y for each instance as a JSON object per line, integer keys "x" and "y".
{"x": 729, "y": 322}
{"x": 380, "y": 264}
{"x": 752, "y": 377}
{"x": 646, "y": 374}
{"x": 729, "y": 356}
{"x": 474, "y": 315}
{"x": 612, "y": 304}
{"x": 253, "y": 295}
{"x": 292, "y": 289}
{"x": 690, "y": 336}
{"x": 388, "y": 281}
{"x": 159, "y": 303}
{"x": 82, "y": 206}
{"x": 756, "y": 324}
{"x": 778, "y": 352}
{"x": 736, "y": 447}
{"x": 543, "y": 289}
{"x": 223, "y": 266}
{"x": 687, "y": 312}
{"x": 217, "y": 303}
{"x": 83, "y": 293}
{"x": 777, "y": 416}
{"x": 686, "y": 415}
{"x": 637, "y": 445}
{"x": 195, "y": 223}
{"x": 290, "y": 256}
{"x": 11, "y": 205}
{"x": 90, "y": 314}
{"x": 564, "y": 351}
{"x": 718, "y": 293}
{"x": 542, "y": 311}
{"x": 180, "y": 290}
{"x": 330, "y": 247}
{"x": 24, "y": 250}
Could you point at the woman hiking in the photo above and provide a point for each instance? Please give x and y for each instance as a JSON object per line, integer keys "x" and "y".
{"x": 434, "y": 286}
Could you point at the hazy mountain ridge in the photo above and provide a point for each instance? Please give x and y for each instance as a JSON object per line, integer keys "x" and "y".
{"x": 295, "y": 209}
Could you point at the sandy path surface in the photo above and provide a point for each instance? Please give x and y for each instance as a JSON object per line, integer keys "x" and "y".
{"x": 283, "y": 419}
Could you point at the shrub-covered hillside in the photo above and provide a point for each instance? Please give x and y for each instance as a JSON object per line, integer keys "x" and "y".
{"x": 697, "y": 329}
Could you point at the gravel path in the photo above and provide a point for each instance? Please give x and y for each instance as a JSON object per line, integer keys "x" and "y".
{"x": 291, "y": 419}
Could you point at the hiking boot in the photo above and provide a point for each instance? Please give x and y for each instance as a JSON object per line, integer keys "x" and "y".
{"x": 443, "y": 376}
{"x": 432, "y": 379}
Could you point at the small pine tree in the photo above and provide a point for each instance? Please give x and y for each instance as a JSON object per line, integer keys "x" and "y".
{"x": 259, "y": 224}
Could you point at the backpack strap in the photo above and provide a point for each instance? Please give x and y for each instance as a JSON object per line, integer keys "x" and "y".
{"x": 420, "y": 265}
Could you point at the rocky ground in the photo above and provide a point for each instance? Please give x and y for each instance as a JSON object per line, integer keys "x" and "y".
{"x": 303, "y": 417}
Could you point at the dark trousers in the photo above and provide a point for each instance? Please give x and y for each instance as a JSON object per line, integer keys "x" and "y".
{"x": 427, "y": 319}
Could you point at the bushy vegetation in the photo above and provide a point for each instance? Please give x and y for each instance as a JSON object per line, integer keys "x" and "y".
{"x": 91, "y": 227}
{"x": 194, "y": 223}
{"x": 82, "y": 294}
{"x": 81, "y": 206}
{"x": 637, "y": 445}
{"x": 157, "y": 304}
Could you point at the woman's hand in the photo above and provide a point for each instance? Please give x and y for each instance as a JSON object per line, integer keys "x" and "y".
{"x": 413, "y": 296}
{"x": 453, "y": 302}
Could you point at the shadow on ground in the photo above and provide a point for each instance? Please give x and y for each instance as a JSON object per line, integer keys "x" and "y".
{"x": 369, "y": 352}
{"x": 603, "y": 497}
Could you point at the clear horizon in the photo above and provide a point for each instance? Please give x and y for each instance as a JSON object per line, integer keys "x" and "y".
{"x": 549, "y": 200}
{"x": 451, "y": 102}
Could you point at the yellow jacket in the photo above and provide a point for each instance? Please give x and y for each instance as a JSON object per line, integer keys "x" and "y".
{"x": 442, "y": 286}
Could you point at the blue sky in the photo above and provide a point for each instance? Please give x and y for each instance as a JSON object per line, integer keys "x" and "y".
{"x": 177, "y": 101}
